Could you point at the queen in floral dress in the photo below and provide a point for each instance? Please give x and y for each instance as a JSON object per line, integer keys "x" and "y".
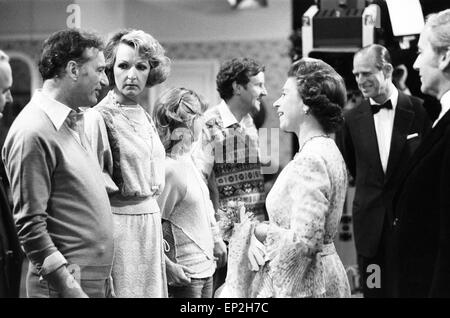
{"x": 293, "y": 255}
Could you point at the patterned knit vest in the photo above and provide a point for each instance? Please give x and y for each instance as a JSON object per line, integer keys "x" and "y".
{"x": 237, "y": 166}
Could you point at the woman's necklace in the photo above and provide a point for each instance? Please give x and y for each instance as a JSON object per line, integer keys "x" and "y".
{"x": 311, "y": 138}
{"x": 154, "y": 186}
{"x": 133, "y": 123}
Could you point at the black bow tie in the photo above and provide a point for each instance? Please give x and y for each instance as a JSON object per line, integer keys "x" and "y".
{"x": 376, "y": 108}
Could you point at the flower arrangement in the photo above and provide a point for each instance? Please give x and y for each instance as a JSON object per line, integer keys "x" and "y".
{"x": 228, "y": 216}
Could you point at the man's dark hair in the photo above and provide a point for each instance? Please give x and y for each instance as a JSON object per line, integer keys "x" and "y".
{"x": 64, "y": 46}
{"x": 237, "y": 70}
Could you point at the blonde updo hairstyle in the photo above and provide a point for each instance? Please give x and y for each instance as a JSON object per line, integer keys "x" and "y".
{"x": 174, "y": 113}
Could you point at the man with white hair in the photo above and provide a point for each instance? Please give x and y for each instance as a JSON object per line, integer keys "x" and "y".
{"x": 10, "y": 254}
{"x": 422, "y": 201}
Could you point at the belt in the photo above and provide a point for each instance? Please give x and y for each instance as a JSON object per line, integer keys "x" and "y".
{"x": 133, "y": 206}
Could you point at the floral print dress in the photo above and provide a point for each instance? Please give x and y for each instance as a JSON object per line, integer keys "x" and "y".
{"x": 304, "y": 206}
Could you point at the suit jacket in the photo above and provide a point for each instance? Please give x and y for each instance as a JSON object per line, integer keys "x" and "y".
{"x": 375, "y": 189}
{"x": 10, "y": 253}
{"x": 422, "y": 205}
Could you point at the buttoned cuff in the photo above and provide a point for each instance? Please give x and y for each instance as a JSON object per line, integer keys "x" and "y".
{"x": 52, "y": 263}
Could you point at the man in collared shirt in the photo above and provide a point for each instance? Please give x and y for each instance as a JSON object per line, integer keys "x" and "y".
{"x": 229, "y": 156}
{"x": 422, "y": 202}
{"x": 378, "y": 138}
{"x": 10, "y": 253}
{"x": 61, "y": 208}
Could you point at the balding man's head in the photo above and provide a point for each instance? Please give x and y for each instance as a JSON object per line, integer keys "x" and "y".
{"x": 372, "y": 68}
{"x": 5, "y": 81}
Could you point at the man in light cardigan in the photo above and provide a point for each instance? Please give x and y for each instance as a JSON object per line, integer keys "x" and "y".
{"x": 61, "y": 208}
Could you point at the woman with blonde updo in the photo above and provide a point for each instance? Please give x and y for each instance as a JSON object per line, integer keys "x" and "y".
{"x": 293, "y": 254}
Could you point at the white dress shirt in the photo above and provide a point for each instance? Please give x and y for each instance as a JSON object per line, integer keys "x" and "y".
{"x": 384, "y": 124}
{"x": 203, "y": 159}
{"x": 445, "y": 103}
{"x": 59, "y": 114}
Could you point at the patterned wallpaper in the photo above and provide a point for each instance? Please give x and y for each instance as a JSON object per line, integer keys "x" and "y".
{"x": 272, "y": 53}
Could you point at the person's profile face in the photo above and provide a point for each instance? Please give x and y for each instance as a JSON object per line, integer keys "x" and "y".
{"x": 253, "y": 92}
{"x": 289, "y": 106}
{"x": 428, "y": 66}
{"x": 5, "y": 85}
{"x": 130, "y": 71}
{"x": 92, "y": 77}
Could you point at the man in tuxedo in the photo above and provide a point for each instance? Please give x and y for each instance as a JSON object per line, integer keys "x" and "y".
{"x": 422, "y": 202}
{"x": 10, "y": 253}
{"x": 377, "y": 140}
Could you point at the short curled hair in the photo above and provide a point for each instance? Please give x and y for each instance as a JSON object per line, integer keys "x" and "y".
{"x": 439, "y": 25}
{"x": 176, "y": 108}
{"x": 147, "y": 47}
{"x": 237, "y": 70}
{"x": 322, "y": 89}
{"x": 64, "y": 46}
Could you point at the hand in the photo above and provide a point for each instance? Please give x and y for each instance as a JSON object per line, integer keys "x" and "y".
{"x": 244, "y": 216}
{"x": 220, "y": 253}
{"x": 256, "y": 253}
{"x": 65, "y": 283}
{"x": 177, "y": 275}
{"x": 261, "y": 231}
{"x": 73, "y": 290}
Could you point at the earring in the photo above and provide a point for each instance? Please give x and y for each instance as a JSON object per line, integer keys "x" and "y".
{"x": 305, "y": 110}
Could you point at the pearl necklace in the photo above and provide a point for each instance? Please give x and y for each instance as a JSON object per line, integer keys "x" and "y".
{"x": 311, "y": 138}
{"x": 119, "y": 107}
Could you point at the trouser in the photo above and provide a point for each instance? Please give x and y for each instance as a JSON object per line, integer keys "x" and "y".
{"x": 198, "y": 288}
{"x": 220, "y": 274}
{"x": 378, "y": 273}
{"x": 40, "y": 288}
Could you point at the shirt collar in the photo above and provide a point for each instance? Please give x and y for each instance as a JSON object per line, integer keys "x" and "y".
{"x": 393, "y": 98}
{"x": 228, "y": 118}
{"x": 445, "y": 104}
{"x": 56, "y": 111}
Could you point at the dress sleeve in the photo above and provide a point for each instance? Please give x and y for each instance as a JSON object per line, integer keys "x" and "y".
{"x": 97, "y": 135}
{"x": 173, "y": 193}
{"x": 304, "y": 199}
{"x": 214, "y": 225}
